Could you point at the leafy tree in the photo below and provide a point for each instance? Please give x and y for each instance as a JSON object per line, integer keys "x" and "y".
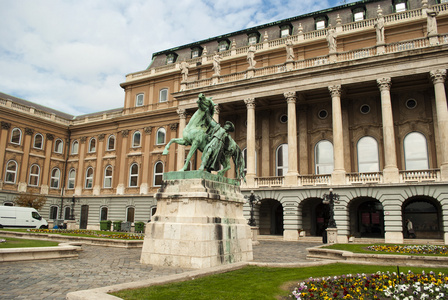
{"x": 30, "y": 200}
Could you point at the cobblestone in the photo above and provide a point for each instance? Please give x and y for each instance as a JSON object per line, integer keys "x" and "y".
{"x": 103, "y": 266}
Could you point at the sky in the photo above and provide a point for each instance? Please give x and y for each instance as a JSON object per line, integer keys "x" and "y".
{"x": 72, "y": 55}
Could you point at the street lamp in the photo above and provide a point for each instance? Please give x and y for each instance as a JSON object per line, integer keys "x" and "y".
{"x": 330, "y": 199}
{"x": 72, "y": 211}
{"x": 253, "y": 199}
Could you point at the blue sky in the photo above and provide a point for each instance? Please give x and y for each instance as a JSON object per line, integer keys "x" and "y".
{"x": 71, "y": 55}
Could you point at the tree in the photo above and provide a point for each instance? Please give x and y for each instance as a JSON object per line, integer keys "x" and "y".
{"x": 30, "y": 200}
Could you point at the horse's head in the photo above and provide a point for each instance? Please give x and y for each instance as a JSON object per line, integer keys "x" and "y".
{"x": 206, "y": 103}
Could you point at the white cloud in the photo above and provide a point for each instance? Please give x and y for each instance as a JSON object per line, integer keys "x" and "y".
{"x": 72, "y": 55}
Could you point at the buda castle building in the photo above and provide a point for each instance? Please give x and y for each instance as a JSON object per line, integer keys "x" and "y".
{"x": 350, "y": 98}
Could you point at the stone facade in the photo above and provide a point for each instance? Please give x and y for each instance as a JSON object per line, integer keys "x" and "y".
{"x": 368, "y": 119}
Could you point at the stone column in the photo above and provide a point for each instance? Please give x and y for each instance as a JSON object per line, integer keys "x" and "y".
{"x": 46, "y": 167}
{"x": 80, "y": 176}
{"x": 3, "y": 142}
{"x": 171, "y": 161}
{"x": 122, "y": 171}
{"x": 99, "y": 166}
{"x": 146, "y": 160}
{"x": 291, "y": 176}
{"x": 393, "y": 220}
{"x": 181, "y": 148}
{"x": 438, "y": 78}
{"x": 250, "y": 175}
{"x": 338, "y": 175}
{"x": 303, "y": 141}
{"x": 25, "y": 157}
{"x": 390, "y": 172}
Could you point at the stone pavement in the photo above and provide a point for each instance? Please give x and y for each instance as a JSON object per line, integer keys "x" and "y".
{"x": 104, "y": 266}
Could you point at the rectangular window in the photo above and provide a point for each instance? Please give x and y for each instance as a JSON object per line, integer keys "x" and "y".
{"x": 139, "y": 100}
{"x": 253, "y": 40}
{"x": 195, "y": 53}
{"x": 320, "y": 25}
{"x": 359, "y": 16}
{"x": 399, "y": 7}
{"x": 284, "y": 32}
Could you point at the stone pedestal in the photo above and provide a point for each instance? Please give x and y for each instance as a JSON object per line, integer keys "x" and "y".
{"x": 199, "y": 223}
{"x": 332, "y": 235}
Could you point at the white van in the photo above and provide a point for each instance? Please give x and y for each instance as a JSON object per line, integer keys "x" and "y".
{"x": 21, "y": 217}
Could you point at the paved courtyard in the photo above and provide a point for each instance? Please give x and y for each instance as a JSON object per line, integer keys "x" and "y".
{"x": 103, "y": 266}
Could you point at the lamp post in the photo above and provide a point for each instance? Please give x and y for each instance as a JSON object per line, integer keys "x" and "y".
{"x": 330, "y": 199}
{"x": 253, "y": 199}
{"x": 72, "y": 210}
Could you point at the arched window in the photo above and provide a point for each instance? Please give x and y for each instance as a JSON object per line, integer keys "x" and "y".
{"x": 368, "y": 160}
{"x": 34, "y": 175}
{"x": 67, "y": 213}
{"x": 108, "y": 177}
{"x": 133, "y": 175}
{"x": 160, "y": 136}
{"x": 16, "y": 136}
{"x": 103, "y": 213}
{"x": 136, "y": 139}
{"x": 38, "y": 141}
{"x": 53, "y": 212}
{"x": 281, "y": 160}
{"x": 55, "y": 176}
{"x": 324, "y": 160}
{"x": 130, "y": 213}
{"x": 89, "y": 178}
{"x": 11, "y": 172}
{"x": 75, "y": 146}
{"x": 163, "y": 95}
{"x": 158, "y": 173}
{"x": 416, "y": 152}
{"x": 71, "y": 179}
{"x": 58, "y": 145}
{"x": 92, "y": 145}
{"x": 139, "y": 99}
{"x": 111, "y": 143}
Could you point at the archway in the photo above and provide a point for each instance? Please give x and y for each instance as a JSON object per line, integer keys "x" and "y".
{"x": 425, "y": 215}
{"x": 271, "y": 217}
{"x": 315, "y": 216}
{"x": 366, "y": 218}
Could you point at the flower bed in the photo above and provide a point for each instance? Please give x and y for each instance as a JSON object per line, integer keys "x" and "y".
{"x": 92, "y": 233}
{"x": 375, "y": 286}
{"x": 411, "y": 249}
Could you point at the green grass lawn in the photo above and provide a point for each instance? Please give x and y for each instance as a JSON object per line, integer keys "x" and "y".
{"x": 362, "y": 248}
{"x": 253, "y": 282}
{"x": 22, "y": 243}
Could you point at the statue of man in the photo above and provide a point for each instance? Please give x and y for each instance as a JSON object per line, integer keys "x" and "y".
{"x": 331, "y": 39}
{"x": 216, "y": 148}
{"x": 216, "y": 64}
{"x": 251, "y": 56}
{"x": 289, "y": 50}
{"x": 379, "y": 26}
{"x": 431, "y": 27}
{"x": 184, "y": 70}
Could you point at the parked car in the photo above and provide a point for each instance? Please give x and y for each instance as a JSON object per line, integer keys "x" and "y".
{"x": 21, "y": 217}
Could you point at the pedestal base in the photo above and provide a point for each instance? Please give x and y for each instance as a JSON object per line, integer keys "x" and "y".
{"x": 393, "y": 237}
{"x": 332, "y": 235}
{"x": 199, "y": 223}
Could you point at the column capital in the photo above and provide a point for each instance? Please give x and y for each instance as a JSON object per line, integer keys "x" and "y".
{"x": 438, "y": 76}
{"x": 290, "y": 96}
{"x": 49, "y": 136}
{"x": 384, "y": 84}
{"x": 182, "y": 113}
{"x": 125, "y": 133}
{"x": 101, "y": 137}
{"x": 6, "y": 125}
{"x": 148, "y": 129}
{"x": 250, "y": 102}
{"x": 174, "y": 126}
{"x": 335, "y": 90}
{"x": 29, "y": 131}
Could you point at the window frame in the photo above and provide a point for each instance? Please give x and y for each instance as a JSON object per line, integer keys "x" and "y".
{"x": 108, "y": 148}
{"x": 35, "y": 176}
{"x": 106, "y": 177}
{"x": 284, "y": 28}
{"x": 53, "y": 178}
{"x": 284, "y": 168}
{"x": 69, "y": 179}
{"x": 54, "y": 212}
{"x": 163, "y": 95}
{"x": 13, "y": 137}
{"x": 156, "y": 174}
{"x": 11, "y": 172}
{"x": 370, "y": 147}
{"x": 101, "y": 213}
{"x": 72, "y": 148}
{"x": 133, "y": 175}
{"x": 134, "y": 145}
{"x": 319, "y": 19}
{"x": 89, "y": 178}
{"x": 133, "y": 214}
{"x": 414, "y": 146}
{"x": 92, "y": 149}
{"x": 41, "y": 141}
{"x": 137, "y": 100}
{"x": 324, "y": 164}
{"x": 58, "y": 146}
{"x": 164, "y": 136}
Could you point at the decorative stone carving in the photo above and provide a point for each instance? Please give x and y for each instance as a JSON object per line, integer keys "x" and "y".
{"x": 335, "y": 90}
{"x": 216, "y": 64}
{"x": 289, "y": 50}
{"x": 290, "y": 96}
{"x": 49, "y": 136}
{"x": 431, "y": 27}
{"x": 29, "y": 131}
{"x": 148, "y": 129}
{"x": 184, "y": 70}
{"x": 438, "y": 76}
{"x": 379, "y": 27}
{"x": 250, "y": 102}
{"x": 384, "y": 83}
{"x": 174, "y": 126}
{"x": 182, "y": 113}
{"x": 101, "y": 137}
{"x": 331, "y": 40}
{"x": 125, "y": 133}
{"x": 251, "y": 57}
{"x": 6, "y": 125}
{"x": 83, "y": 139}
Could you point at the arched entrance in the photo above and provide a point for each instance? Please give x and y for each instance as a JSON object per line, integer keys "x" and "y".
{"x": 315, "y": 216}
{"x": 425, "y": 215}
{"x": 366, "y": 218}
{"x": 271, "y": 217}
